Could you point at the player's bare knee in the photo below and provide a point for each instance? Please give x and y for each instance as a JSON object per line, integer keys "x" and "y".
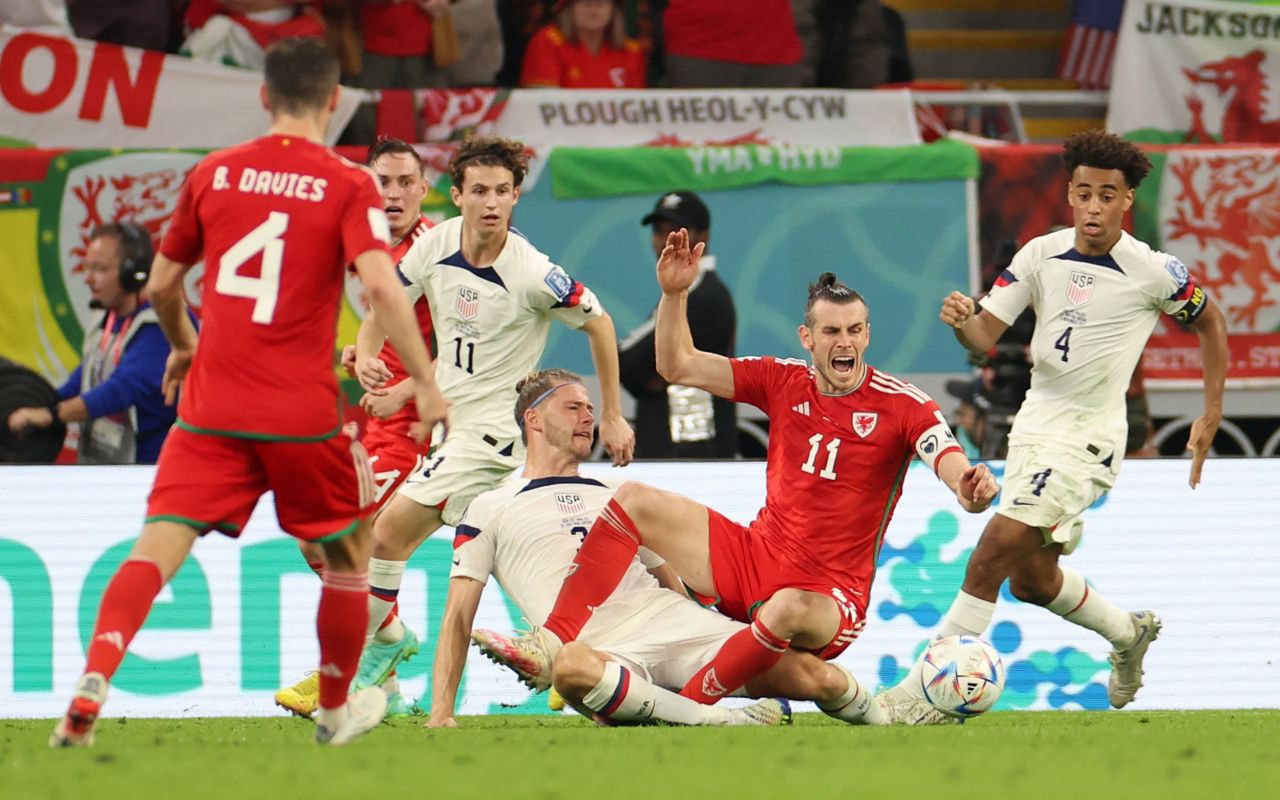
{"x": 343, "y": 555}
{"x": 830, "y": 682}
{"x": 1031, "y": 588}
{"x": 788, "y": 612}
{"x": 636, "y": 499}
{"x": 576, "y": 670}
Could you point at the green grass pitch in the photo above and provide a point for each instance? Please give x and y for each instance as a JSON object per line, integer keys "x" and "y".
{"x": 1206, "y": 754}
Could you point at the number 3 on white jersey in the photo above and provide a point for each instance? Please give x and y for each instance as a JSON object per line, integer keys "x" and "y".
{"x": 265, "y": 289}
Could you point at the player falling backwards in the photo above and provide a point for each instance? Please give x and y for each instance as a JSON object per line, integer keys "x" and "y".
{"x": 276, "y": 221}
{"x": 1098, "y": 293}
{"x": 645, "y": 640}
{"x": 493, "y": 296}
{"x": 393, "y": 452}
{"x": 842, "y": 434}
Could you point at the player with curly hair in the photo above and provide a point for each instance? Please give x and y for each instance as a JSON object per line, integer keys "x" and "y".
{"x": 1098, "y": 293}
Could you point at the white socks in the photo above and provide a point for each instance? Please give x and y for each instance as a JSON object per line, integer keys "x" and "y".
{"x": 384, "y": 586}
{"x": 1078, "y": 603}
{"x": 856, "y": 705}
{"x": 622, "y": 695}
{"x": 332, "y": 718}
{"x": 967, "y": 614}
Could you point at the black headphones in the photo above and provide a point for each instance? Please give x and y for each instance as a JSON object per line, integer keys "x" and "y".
{"x": 135, "y": 266}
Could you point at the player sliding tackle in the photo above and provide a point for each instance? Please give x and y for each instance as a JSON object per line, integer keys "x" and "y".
{"x": 643, "y": 637}
{"x": 259, "y": 406}
{"x": 1097, "y": 293}
{"x": 842, "y": 435}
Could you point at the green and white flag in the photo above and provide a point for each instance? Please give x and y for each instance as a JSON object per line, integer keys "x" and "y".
{"x": 1197, "y": 71}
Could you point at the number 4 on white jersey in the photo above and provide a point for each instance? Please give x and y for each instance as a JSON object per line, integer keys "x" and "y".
{"x": 264, "y": 290}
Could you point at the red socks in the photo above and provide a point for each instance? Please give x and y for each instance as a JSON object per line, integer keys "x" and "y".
{"x": 125, "y": 605}
{"x": 746, "y": 654}
{"x": 340, "y": 626}
{"x": 602, "y": 560}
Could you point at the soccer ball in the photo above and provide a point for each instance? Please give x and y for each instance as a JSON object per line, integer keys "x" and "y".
{"x": 962, "y": 676}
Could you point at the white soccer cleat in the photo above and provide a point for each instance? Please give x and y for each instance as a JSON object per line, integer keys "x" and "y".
{"x": 528, "y": 655}
{"x": 769, "y": 712}
{"x": 75, "y": 729}
{"x": 365, "y": 710}
{"x": 913, "y": 711}
{"x": 1126, "y": 665}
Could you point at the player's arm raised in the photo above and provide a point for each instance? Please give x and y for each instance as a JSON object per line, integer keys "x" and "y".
{"x": 164, "y": 289}
{"x": 977, "y": 331}
{"x": 1211, "y": 327}
{"x": 974, "y": 485}
{"x": 618, "y": 438}
{"x": 451, "y": 649}
{"x": 397, "y": 321}
{"x": 678, "y": 360}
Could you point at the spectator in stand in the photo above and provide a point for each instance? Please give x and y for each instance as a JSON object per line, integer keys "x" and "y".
{"x": 970, "y": 418}
{"x": 682, "y": 421}
{"x": 132, "y": 23}
{"x": 717, "y": 43}
{"x": 399, "y": 53}
{"x": 586, "y": 47}
{"x": 237, "y": 32}
{"x": 480, "y": 46}
{"x": 115, "y": 392}
{"x": 850, "y": 44}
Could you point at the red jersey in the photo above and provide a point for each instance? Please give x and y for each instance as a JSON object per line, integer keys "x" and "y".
{"x": 395, "y": 29}
{"x": 276, "y": 221}
{"x": 380, "y": 432}
{"x": 552, "y": 60}
{"x": 836, "y": 463}
{"x": 763, "y": 32}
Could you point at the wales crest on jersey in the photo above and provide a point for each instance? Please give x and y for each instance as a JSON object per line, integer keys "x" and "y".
{"x": 864, "y": 422}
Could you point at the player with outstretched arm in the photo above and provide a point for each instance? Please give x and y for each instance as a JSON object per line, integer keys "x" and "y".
{"x": 842, "y": 435}
{"x": 1098, "y": 293}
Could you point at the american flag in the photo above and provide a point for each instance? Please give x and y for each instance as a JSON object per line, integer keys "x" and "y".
{"x": 1091, "y": 43}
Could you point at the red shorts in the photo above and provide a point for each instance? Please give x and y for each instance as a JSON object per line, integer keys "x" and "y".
{"x": 392, "y": 461}
{"x": 322, "y": 489}
{"x": 748, "y": 568}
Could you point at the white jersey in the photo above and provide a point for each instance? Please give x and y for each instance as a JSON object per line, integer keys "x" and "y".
{"x": 1094, "y": 315}
{"x": 491, "y": 323}
{"x": 526, "y": 533}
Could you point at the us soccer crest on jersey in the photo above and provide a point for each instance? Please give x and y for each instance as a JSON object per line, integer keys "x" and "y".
{"x": 1079, "y": 288}
{"x": 1094, "y": 315}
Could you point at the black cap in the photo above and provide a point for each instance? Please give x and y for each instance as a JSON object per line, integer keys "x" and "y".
{"x": 969, "y": 391}
{"x": 682, "y": 209}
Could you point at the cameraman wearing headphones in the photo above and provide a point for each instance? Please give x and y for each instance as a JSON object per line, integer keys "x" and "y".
{"x": 115, "y": 392}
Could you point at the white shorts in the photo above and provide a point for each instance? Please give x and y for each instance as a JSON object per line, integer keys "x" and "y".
{"x": 464, "y": 466}
{"x": 671, "y": 645}
{"x": 1049, "y": 489}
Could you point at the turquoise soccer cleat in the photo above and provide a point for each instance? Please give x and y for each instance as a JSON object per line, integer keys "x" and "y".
{"x": 379, "y": 659}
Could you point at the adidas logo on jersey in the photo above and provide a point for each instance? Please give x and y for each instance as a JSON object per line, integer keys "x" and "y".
{"x": 803, "y": 408}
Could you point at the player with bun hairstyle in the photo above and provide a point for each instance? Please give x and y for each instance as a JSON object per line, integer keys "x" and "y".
{"x": 842, "y": 434}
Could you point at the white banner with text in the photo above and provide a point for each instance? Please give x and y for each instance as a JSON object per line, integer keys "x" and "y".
{"x": 56, "y": 91}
